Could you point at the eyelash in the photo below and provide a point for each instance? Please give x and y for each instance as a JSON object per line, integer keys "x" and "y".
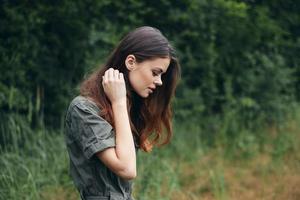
{"x": 154, "y": 73}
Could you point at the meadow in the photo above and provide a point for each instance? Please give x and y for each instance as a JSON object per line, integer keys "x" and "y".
{"x": 35, "y": 165}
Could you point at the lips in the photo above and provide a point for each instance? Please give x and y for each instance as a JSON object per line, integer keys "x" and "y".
{"x": 151, "y": 90}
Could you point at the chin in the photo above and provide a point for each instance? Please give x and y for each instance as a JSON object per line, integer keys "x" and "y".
{"x": 144, "y": 94}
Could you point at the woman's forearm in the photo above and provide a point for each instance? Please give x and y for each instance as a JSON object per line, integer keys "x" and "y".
{"x": 125, "y": 149}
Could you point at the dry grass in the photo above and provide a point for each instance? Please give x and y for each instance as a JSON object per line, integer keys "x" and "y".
{"x": 263, "y": 177}
{"x": 259, "y": 178}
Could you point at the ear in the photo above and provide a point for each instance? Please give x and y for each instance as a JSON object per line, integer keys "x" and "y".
{"x": 130, "y": 62}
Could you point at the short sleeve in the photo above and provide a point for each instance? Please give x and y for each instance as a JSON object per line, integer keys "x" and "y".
{"x": 90, "y": 131}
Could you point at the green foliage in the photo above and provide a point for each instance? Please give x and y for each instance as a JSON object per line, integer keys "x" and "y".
{"x": 233, "y": 54}
{"x": 283, "y": 144}
{"x": 240, "y": 73}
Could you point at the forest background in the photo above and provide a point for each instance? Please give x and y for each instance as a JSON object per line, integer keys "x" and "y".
{"x": 236, "y": 111}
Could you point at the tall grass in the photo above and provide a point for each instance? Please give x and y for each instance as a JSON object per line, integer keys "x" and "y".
{"x": 34, "y": 164}
{"x": 30, "y": 160}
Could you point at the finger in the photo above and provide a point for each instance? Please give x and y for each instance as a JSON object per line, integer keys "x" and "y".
{"x": 106, "y": 76}
{"x": 121, "y": 76}
{"x": 106, "y": 72}
{"x": 116, "y": 74}
{"x": 104, "y": 81}
{"x": 110, "y": 74}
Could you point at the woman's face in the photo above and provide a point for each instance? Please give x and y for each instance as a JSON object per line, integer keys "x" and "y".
{"x": 144, "y": 77}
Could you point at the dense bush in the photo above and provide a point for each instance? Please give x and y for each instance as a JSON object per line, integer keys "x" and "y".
{"x": 235, "y": 55}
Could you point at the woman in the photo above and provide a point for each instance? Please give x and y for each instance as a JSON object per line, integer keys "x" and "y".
{"x": 122, "y": 107}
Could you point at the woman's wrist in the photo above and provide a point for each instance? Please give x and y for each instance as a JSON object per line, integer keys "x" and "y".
{"x": 119, "y": 104}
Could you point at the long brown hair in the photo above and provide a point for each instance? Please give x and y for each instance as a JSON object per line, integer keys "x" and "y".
{"x": 150, "y": 118}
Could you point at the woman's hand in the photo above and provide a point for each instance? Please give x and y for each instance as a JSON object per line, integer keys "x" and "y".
{"x": 120, "y": 159}
{"x": 114, "y": 86}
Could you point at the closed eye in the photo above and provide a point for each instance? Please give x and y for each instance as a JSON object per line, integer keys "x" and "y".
{"x": 155, "y": 73}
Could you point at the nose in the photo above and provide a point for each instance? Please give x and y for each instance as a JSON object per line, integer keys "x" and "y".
{"x": 158, "y": 81}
